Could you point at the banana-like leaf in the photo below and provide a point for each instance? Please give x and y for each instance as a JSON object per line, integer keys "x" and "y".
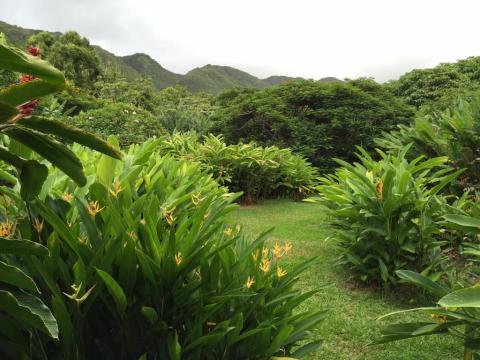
{"x": 12, "y": 275}
{"x": 22, "y": 93}
{"x": 17, "y": 60}
{"x": 464, "y": 223}
{"x": 29, "y": 310}
{"x": 469, "y": 297}
{"x": 71, "y": 133}
{"x": 32, "y": 177}
{"x": 22, "y": 247}
{"x": 115, "y": 291}
{"x": 11, "y": 159}
{"x": 423, "y": 282}
{"x": 58, "y": 154}
{"x": 7, "y": 112}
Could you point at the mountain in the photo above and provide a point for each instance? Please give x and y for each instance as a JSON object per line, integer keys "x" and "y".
{"x": 209, "y": 78}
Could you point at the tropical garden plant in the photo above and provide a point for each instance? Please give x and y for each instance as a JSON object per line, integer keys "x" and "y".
{"x": 259, "y": 172}
{"x": 387, "y": 214}
{"x": 26, "y": 140}
{"x": 456, "y": 312}
{"x": 141, "y": 265}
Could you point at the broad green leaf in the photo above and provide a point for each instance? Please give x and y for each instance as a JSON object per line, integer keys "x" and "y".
{"x": 115, "y": 291}
{"x": 22, "y": 93}
{"x": 280, "y": 339}
{"x": 306, "y": 349}
{"x": 58, "y": 154}
{"x": 12, "y": 58}
{"x": 150, "y": 314}
{"x": 423, "y": 282}
{"x": 7, "y": 112}
{"x": 12, "y": 275}
{"x": 469, "y": 297}
{"x": 22, "y": 247}
{"x": 462, "y": 222}
{"x": 11, "y": 159}
{"x": 106, "y": 165}
{"x": 29, "y": 310}
{"x": 174, "y": 348}
{"x": 32, "y": 176}
{"x": 71, "y": 133}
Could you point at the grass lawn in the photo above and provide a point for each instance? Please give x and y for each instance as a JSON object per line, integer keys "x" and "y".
{"x": 351, "y": 323}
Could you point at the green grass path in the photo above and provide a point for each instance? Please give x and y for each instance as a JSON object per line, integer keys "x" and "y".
{"x": 351, "y": 323}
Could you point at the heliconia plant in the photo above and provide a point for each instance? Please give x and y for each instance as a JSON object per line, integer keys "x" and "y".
{"x": 26, "y": 140}
{"x": 142, "y": 266}
{"x": 457, "y": 310}
{"x": 387, "y": 214}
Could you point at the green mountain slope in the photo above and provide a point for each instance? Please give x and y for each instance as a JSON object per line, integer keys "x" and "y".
{"x": 147, "y": 66}
{"x": 209, "y": 78}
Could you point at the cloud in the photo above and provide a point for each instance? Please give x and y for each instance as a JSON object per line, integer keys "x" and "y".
{"x": 308, "y": 38}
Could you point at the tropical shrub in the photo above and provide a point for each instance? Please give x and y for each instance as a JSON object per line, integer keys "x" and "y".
{"x": 457, "y": 310}
{"x": 453, "y": 133}
{"x": 141, "y": 265}
{"x": 130, "y": 124}
{"x": 25, "y": 141}
{"x": 315, "y": 119}
{"x": 387, "y": 214}
{"x": 258, "y": 172}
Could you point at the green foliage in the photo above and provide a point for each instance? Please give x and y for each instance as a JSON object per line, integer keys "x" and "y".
{"x": 70, "y": 53}
{"x": 26, "y": 133}
{"x": 258, "y": 172}
{"x": 440, "y": 85}
{"x": 130, "y": 124}
{"x": 387, "y": 214}
{"x": 144, "y": 266}
{"x": 316, "y": 119}
{"x": 453, "y": 133}
{"x": 115, "y": 88}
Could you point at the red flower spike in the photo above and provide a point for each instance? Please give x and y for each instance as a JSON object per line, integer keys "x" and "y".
{"x": 26, "y": 78}
{"x": 34, "y": 51}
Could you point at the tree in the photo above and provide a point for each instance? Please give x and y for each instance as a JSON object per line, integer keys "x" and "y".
{"x": 316, "y": 119}
{"x": 70, "y": 53}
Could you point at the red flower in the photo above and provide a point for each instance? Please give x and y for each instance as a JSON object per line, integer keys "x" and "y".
{"x": 34, "y": 51}
{"x": 26, "y": 109}
{"x": 26, "y": 78}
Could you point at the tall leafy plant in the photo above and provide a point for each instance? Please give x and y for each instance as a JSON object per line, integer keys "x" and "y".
{"x": 387, "y": 213}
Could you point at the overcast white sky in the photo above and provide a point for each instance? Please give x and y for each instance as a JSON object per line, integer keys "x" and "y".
{"x": 308, "y": 38}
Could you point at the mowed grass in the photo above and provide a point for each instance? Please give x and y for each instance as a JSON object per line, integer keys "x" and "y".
{"x": 351, "y": 324}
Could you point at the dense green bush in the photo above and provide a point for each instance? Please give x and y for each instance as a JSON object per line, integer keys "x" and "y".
{"x": 387, "y": 214}
{"x": 258, "y": 172}
{"x": 316, "y": 119}
{"x": 453, "y": 133}
{"x": 456, "y": 312}
{"x": 130, "y": 124}
{"x": 439, "y": 86}
{"x": 141, "y": 265}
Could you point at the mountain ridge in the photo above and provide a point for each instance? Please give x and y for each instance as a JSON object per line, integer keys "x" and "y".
{"x": 208, "y": 78}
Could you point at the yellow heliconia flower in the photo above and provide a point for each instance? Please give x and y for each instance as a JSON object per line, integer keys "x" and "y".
{"x": 278, "y": 251}
{"x": 287, "y": 247}
{"x": 238, "y": 228}
{"x": 265, "y": 265}
{"x": 83, "y": 238}
{"x": 143, "y": 221}
{"x": 198, "y": 274}
{"x": 380, "y": 189}
{"x": 205, "y": 217}
{"x": 7, "y": 228}
{"x": 168, "y": 216}
{"x": 196, "y": 199}
{"x": 228, "y": 231}
{"x": 250, "y": 282}
{"x": 265, "y": 252}
{"x": 117, "y": 188}
{"x": 132, "y": 234}
{"x": 255, "y": 255}
{"x": 38, "y": 225}
{"x": 94, "y": 208}
{"x": 280, "y": 272}
{"x": 178, "y": 258}
{"x": 67, "y": 197}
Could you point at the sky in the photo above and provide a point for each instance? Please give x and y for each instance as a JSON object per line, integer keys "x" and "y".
{"x": 308, "y": 38}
